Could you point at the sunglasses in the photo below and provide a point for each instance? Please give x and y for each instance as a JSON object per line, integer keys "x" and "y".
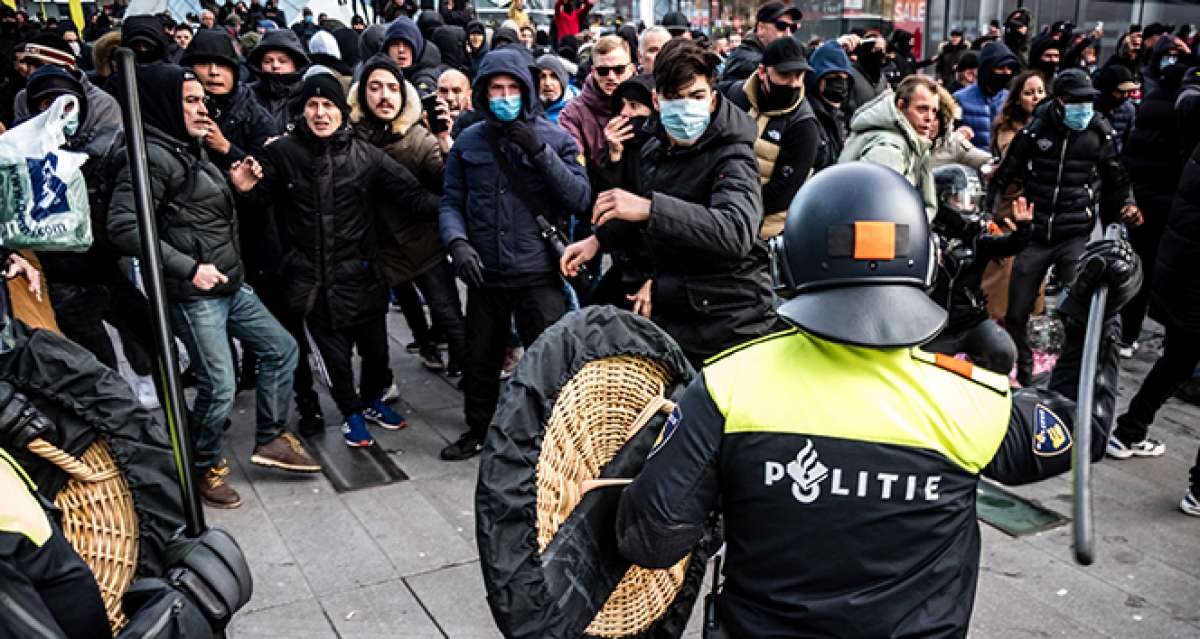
{"x": 784, "y": 25}
{"x": 613, "y": 70}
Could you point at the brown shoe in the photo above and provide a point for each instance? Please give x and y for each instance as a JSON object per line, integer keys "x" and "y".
{"x": 285, "y": 452}
{"x": 216, "y": 492}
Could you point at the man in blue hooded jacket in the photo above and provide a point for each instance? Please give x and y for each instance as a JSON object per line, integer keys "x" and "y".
{"x": 981, "y": 102}
{"x": 503, "y": 176}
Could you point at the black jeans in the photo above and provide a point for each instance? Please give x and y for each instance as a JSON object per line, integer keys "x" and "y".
{"x": 337, "y": 349}
{"x": 82, "y": 310}
{"x": 414, "y": 314}
{"x": 51, "y": 585}
{"x": 1181, "y": 353}
{"x": 987, "y": 343}
{"x": 445, "y": 309}
{"x": 1145, "y": 239}
{"x": 1028, "y": 271}
{"x": 489, "y": 320}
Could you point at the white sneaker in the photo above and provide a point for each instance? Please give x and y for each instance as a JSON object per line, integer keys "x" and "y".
{"x": 1127, "y": 350}
{"x": 144, "y": 388}
{"x": 1145, "y": 448}
{"x": 391, "y": 394}
{"x": 1190, "y": 504}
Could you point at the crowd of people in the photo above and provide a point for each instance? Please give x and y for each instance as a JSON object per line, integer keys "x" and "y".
{"x": 304, "y": 176}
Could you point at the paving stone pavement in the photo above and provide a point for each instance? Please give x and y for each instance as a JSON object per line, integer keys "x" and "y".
{"x": 401, "y": 561}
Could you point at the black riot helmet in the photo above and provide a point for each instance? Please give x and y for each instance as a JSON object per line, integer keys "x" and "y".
{"x": 959, "y": 194}
{"x": 857, "y": 252}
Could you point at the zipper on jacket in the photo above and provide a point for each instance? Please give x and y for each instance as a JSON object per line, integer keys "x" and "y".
{"x": 1062, "y": 159}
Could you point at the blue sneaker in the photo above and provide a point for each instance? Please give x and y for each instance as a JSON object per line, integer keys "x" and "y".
{"x": 382, "y": 414}
{"x": 355, "y": 432}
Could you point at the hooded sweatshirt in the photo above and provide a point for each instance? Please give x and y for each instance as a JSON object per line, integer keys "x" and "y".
{"x": 880, "y": 134}
{"x": 452, "y": 45}
{"x": 980, "y": 106}
{"x": 274, "y": 90}
{"x": 146, "y": 27}
{"x": 828, "y": 58}
{"x": 426, "y": 58}
{"x": 585, "y": 117}
{"x": 555, "y": 65}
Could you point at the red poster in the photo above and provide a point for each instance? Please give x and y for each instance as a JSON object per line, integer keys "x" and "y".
{"x": 910, "y": 16}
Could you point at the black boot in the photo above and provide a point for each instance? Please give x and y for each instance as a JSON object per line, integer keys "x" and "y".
{"x": 312, "y": 422}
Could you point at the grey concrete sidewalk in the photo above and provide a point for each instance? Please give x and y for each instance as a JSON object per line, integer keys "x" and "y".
{"x": 401, "y": 560}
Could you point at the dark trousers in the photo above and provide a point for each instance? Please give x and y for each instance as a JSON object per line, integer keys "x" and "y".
{"x": 337, "y": 349}
{"x": 270, "y": 291}
{"x": 51, "y": 586}
{"x": 1028, "y": 271}
{"x": 445, "y": 309}
{"x": 82, "y": 310}
{"x": 489, "y": 320}
{"x": 1181, "y": 353}
{"x": 414, "y": 314}
{"x": 1145, "y": 239}
{"x": 987, "y": 343}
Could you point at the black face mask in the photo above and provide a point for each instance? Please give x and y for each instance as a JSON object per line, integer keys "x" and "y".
{"x": 1014, "y": 38}
{"x": 637, "y": 124}
{"x": 773, "y": 97}
{"x": 1106, "y": 102}
{"x": 872, "y": 62}
{"x": 1048, "y": 69}
{"x": 281, "y": 85}
{"x": 997, "y": 82}
{"x": 836, "y": 90}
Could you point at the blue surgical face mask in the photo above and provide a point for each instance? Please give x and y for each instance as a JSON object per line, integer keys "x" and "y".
{"x": 71, "y": 123}
{"x": 684, "y": 120}
{"x": 308, "y": 19}
{"x": 1166, "y": 61}
{"x": 505, "y": 108}
{"x": 1077, "y": 116}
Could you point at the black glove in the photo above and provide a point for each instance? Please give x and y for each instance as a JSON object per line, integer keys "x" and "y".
{"x": 467, "y": 264}
{"x": 20, "y": 421}
{"x": 1110, "y": 263}
{"x": 523, "y": 135}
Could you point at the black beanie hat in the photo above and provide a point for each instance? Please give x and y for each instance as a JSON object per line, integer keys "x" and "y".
{"x": 321, "y": 84}
{"x": 52, "y": 81}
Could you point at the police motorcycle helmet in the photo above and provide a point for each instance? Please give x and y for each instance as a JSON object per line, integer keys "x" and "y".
{"x": 959, "y": 197}
{"x": 857, "y": 253}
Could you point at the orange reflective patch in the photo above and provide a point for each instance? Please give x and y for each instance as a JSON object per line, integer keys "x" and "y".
{"x": 954, "y": 365}
{"x": 874, "y": 240}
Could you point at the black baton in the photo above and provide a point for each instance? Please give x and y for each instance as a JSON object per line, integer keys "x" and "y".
{"x": 1081, "y": 458}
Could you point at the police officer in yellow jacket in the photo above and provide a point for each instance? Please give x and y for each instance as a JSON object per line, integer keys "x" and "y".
{"x": 845, "y": 459}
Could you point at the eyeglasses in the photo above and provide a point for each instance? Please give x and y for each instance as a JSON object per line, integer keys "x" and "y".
{"x": 613, "y": 70}
{"x": 784, "y": 25}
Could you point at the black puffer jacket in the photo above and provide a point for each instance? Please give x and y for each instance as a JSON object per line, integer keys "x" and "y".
{"x": 197, "y": 223}
{"x": 1068, "y": 175}
{"x": 712, "y": 288}
{"x": 327, "y": 194}
{"x": 1175, "y": 297}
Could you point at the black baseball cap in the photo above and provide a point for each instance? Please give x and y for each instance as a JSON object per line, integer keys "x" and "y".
{"x": 1073, "y": 83}
{"x": 772, "y": 11}
{"x": 968, "y": 60}
{"x": 785, "y": 55}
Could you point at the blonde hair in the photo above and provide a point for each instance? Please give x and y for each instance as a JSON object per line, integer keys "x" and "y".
{"x": 610, "y": 43}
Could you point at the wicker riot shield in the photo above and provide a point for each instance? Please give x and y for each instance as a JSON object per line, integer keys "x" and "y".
{"x": 587, "y": 402}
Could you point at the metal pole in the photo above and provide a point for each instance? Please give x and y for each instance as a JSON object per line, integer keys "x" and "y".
{"x": 1081, "y": 453}
{"x": 151, "y": 261}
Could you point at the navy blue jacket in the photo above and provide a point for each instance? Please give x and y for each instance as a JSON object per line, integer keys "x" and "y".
{"x": 480, "y": 206}
{"x": 979, "y": 109}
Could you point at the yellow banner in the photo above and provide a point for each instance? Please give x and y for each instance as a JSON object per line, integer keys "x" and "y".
{"x": 12, "y": 4}
{"x": 77, "y": 15}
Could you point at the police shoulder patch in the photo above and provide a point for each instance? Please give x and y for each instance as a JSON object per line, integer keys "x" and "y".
{"x": 667, "y": 431}
{"x": 1051, "y": 437}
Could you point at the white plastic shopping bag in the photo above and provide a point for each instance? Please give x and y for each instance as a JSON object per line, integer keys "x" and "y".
{"x": 43, "y": 196}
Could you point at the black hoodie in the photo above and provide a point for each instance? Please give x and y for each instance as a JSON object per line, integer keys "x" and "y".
{"x": 452, "y": 45}
{"x": 275, "y": 90}
{"x": 146, "y": 28}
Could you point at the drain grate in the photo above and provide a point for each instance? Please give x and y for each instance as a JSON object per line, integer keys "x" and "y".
{"x": 352, "y": 468}
{"x": 1011, "y": 514}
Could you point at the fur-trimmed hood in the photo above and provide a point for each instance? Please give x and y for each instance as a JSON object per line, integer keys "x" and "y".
{"x": 410, "y": 113}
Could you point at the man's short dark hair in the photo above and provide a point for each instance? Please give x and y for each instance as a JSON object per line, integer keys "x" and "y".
{"x": 678, "y": 64}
